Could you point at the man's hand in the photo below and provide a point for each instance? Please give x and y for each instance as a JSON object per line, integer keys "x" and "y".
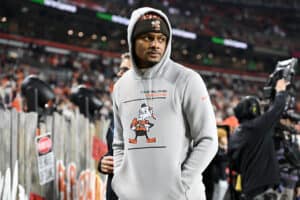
{"x": 281, "y": 85}
{"x": 107, "y": 164}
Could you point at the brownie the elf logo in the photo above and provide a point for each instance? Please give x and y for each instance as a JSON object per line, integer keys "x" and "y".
{"x": 156, "y": 25}
{"x": 141, "y": 125}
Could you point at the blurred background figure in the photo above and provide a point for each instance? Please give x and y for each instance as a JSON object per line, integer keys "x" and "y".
{"x": 220, "y": 163}
{"x": 252, "y": 145}
{"x": 125, "y": 65}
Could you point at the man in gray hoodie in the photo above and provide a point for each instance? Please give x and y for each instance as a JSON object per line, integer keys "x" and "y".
{"x": 165, "y": 129}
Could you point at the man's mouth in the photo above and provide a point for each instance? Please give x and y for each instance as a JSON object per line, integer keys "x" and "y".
{"x": 154, "y": 53}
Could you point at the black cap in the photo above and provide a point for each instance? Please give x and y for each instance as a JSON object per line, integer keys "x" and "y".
{"x": 150, "y": 22}
{"x": 247, "y": 109}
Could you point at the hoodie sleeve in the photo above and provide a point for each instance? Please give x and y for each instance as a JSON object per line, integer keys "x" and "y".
{"x": 118, "y": 141}
{"x": 200, "y": 118}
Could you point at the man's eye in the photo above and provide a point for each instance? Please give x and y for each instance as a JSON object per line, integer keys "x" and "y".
{"x": 162, "y": 39}
{"x": 146, "y": 38}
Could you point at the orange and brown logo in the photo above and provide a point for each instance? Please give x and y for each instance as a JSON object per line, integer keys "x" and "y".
{"x": 141, "y": 125}
{"x": 155, "y": 25}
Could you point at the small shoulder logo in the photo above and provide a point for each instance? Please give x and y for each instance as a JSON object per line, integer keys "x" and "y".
{"x": 203, "y": 98}
{"x": 141, "y": 125}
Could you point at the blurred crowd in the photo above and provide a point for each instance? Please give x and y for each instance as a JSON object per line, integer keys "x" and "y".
{"x": 255, "y": 25}
{"x": 64, "y": 72}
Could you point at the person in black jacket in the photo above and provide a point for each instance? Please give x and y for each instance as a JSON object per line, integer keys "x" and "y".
{"x": 105, "y": 165}
{"x": 252, "y": 145}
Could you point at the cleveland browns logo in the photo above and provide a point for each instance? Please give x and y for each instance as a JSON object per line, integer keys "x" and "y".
{"x": 141, "y": 125}
{"x": 155, "y": 25}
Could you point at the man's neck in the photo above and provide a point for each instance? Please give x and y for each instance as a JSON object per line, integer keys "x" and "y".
{"x": 145, "y": 65}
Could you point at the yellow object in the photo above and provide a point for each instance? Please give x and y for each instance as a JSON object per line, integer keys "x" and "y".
{"x": 238, "y": 185}
{"x": 99, "y": 188}
{"x": 222, "y": 132}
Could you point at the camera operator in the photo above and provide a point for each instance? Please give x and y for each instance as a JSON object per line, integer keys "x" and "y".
{"x": 252, "y": 147}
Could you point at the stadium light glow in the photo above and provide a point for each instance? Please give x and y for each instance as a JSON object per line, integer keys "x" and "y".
{"x": 60, "y": 6}
{"x": 122, "y": 42}
{"x": 13, "y": 43}
{"x": 80, "y": 34}
{"x": 56, "y": 4}
{"x": 57, "y": 50}
{"x": 217, "y": 40}
{"x": 3, "y": 19}
{"x": 104, "y": 16}
{"x": 184, "y": 34}
{"x": 70, "y": 32}
{"x": 38, "y": 1}
{"x": 236, "y": 44}
{"x": 103, "y": 38}
{"x": 94, "y": 36}
{"x": 120, "y": 20}
{"x": 229, "y": 42}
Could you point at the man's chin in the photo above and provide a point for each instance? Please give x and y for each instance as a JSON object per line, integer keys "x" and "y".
{"x": 153, "y": 60}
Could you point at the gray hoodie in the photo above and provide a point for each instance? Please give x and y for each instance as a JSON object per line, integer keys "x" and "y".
{"x": 165, "y": 130}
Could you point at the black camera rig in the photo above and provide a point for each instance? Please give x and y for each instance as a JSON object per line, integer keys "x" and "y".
{"x": 284, "y": 69}
{"x": 284, "y": 134}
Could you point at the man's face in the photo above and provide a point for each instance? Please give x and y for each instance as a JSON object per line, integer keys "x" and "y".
{"x": 149, "y": 48}
{"x": 124, "y": 66}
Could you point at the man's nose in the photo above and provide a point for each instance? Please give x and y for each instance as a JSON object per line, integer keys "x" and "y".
{"x": 154, "y": 43}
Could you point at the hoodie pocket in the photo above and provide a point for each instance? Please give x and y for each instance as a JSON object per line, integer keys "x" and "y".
{"x": 182, "y": 190}
{"x": 181, "y": 186}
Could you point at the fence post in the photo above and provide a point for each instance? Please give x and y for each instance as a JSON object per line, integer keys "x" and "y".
{"x": 58, "y": 141}
{"x": 14, "y": 121}
{"x": 21, "y": 148}
{"x": 30, "y": 126}
{"x": 5, "y": 139}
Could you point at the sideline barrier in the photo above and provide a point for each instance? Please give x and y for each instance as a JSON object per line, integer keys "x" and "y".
{"x": 72, "y": 143}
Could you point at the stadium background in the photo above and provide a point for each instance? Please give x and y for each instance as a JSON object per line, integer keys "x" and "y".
{"x": 233, "y": 44}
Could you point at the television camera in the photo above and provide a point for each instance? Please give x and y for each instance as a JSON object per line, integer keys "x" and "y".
{"x": 285, "y": 134}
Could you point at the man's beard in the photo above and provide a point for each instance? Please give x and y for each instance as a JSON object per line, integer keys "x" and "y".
{"x": 147, "y": 64}
{"x": 151, "y": 63}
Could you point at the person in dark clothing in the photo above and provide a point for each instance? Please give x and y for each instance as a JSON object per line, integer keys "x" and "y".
{"x": 221, "y": 164}
{"x": 105, "y": 165}
{"x": 252, "y": 145}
